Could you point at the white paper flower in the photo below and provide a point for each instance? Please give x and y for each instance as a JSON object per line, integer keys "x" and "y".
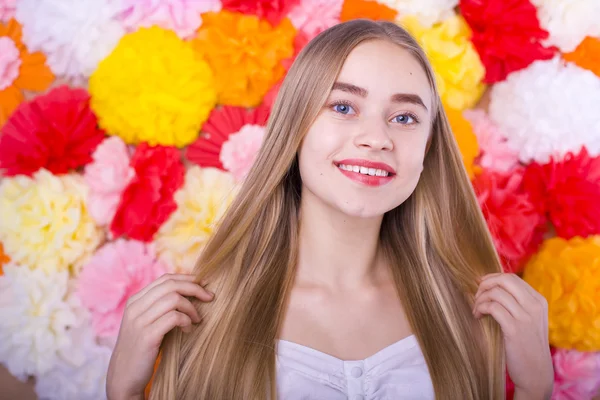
{"x": 428, "y": 11}
{"x": 549, "y": 108}
{"x": 36, "y": 313}
{"x": 83, "y": 379}
{"x": 75, "y": 34}
{"x": 568, "y": 21}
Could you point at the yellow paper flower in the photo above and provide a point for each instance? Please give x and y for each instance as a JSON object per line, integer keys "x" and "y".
{"x": 567, "y": 274}
{"x": 153, "y": 88}
{"x": 44, "y": 223}
{"x": 204, "y": 197}
{"x": 465, "y": 138}
{"x": 458, "y": 69}
{"x": 246, "y": 53}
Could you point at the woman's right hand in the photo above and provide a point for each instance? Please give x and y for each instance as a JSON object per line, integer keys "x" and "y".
{"x": 149, "y": 315}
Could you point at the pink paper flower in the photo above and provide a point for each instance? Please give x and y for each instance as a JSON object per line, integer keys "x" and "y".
{"x": 10, "y": 61}
{"x": 107, "y": 176}
{"x": 496, "y": 154}
{"x": 181, "y": 16}
{"x": 239, "y": 151}
{"x": 576, "y": 374}
{"x": 314, "y": 16}
{"x": 7, "y": 10}
{"x": 116, "y": 272}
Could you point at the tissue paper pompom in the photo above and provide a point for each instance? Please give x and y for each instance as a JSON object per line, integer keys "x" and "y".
{"x": 507, "y": 35}
{"x": 107, "y": 176}
{"x": 568, "y": 22}
{"x": 567, "y": 274}
{"x": 153, "y": 88}
{"x": 246, "y": 53}
{"x": 516, "y": 225}
{"x": 74, "y": 34}
{"x": 495, "y": 155}
{"x": 569, "y": 192}
{"x": 314, "y": 16}
{"x": 353, "y": 9}
{"x": 56, "y": 131}
{"x": 525, "y": 108}
{"x": 81, "y": 380}
{"x": 44, "y": 223}
{"x": 240, "y": 150}
{"x": 117, "y": 271}
{"x": 147, "y": 201}
{"x": 576, "y": 374}
{"x": 181, "y": 16}
{"x": 19, "y": 69}
{"x": 465, "y": 138}
{"x": 7, "y": 10}
{"x": 586, "y": 55}
{"x": 224, "y": 121}
{"x": 201, "y": 202}
{"x": 4, "y": 259}
{"x": 458, "y": 69}
{"x": 427, "y": 11}
{"x": 271, "y": 10}
{"x": 37, "y": 314}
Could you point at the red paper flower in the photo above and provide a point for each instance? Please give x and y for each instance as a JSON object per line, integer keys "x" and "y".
{"x": 569, "y": 192}
{"x": 516, "y": 225}
{"x": 148, "y": 200}
{"x": 56, "y": 131}
{"x": 221, "y": 123}
{"x": 506, "y": 34}
{"x": 300, "y": 41}
{"x": 271, "y": 10}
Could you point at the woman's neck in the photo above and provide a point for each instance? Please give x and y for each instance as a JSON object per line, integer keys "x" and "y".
{"x": 337, "y": 250}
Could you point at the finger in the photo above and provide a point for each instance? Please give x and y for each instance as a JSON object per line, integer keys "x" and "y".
{"x": 170, "y": 301}
{"x": 163, "y": 278}
{"x": 182, "y": 287}
{"x": 501, "y": 296}
{"x": 165, "y": 323}
{"x": 511, "y": 283}
{"x": 501, "y": 315}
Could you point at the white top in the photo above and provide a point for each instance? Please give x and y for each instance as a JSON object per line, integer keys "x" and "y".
{"x": 398, "y": 372}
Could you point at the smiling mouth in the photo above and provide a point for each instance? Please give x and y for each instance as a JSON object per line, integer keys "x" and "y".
{"x": 366, "y": 176}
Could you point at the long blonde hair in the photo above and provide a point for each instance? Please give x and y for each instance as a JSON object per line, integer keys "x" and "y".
{"x": 436, "y": 242}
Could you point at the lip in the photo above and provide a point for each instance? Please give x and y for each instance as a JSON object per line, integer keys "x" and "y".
{"x": 367, "y": 179}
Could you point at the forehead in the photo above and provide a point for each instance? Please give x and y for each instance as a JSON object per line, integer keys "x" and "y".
{"x": 384, "y": 68}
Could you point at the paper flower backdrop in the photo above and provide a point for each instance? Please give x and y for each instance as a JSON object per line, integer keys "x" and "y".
{"x": 127, "y": 127}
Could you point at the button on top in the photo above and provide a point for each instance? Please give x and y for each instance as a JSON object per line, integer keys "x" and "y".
{"x": 356, "y": 372}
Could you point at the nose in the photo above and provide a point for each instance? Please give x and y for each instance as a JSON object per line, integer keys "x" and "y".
{"x": 373, "y": 135}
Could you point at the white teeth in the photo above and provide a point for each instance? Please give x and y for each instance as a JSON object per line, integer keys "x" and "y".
{"x": 364, "y": 170}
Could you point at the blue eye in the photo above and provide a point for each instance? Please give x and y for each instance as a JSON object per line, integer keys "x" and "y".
{"x": 343, "y": 108}
{"x": 405, "y": 119}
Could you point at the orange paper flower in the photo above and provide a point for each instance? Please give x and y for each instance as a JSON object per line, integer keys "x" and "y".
{"x": 3, "y": 258}
{"x": 586, "y": 55}
{"x": 465, "y": 138}
{"x": 353, "y": 9}
{"x": 245, "y": 54}
{"x": 19, "y": 69}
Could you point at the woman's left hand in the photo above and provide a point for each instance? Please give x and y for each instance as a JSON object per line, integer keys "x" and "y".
{"x": 523, "y": 316}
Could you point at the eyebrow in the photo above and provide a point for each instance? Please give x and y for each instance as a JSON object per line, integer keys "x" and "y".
{"x": 396, "y": 98}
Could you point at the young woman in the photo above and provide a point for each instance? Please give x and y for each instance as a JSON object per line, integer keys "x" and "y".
{"x": 353, "y": 264}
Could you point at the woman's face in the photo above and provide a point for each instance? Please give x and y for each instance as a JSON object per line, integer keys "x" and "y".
{"x": 364, "y": 153}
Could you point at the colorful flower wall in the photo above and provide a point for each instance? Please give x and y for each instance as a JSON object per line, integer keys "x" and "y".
{"x": 126, "y": 126}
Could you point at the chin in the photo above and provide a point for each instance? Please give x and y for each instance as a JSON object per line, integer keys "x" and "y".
{"x": 363, "y": 210}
